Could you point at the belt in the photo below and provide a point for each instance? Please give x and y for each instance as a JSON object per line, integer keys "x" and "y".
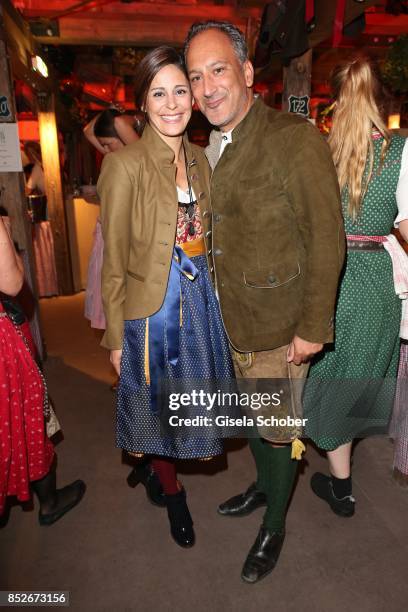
{"x": 365, "y": 243}
{"x": 193, "y": 247}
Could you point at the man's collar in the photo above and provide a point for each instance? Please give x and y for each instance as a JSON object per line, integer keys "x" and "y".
{"x": 244, "y": 128}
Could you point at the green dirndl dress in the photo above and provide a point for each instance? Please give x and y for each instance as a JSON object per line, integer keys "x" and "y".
{"x": 351, "y": 385}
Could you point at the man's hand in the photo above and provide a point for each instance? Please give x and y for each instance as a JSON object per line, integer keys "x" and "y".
{"x": 115, "y": 358}
{"x": 301, "y": 351}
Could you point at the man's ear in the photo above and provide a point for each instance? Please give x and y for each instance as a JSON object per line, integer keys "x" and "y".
{"x": 248, "y": 73}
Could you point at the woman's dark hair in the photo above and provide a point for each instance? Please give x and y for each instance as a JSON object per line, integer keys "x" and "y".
{"x": 33, "y": 151}
{"x": 105, "y": 124}
{"x": 150, "y": 65}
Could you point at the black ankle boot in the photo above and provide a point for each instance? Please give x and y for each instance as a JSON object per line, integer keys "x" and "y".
{"x": 322, "y": 486}
{"x": 54, "y": 503}
{"x": 181, "y": 523}
{"x": 145, "y": 474}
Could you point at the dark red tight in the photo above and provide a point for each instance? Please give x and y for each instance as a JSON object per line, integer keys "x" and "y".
{"x": 165, "y": 469}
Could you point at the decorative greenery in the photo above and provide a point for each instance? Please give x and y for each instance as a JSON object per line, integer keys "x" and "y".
{"x": 395, "y": 66}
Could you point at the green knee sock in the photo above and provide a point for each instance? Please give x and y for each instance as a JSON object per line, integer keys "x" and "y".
{"x": 261, "y": 459}
{"x": 281, "y": 471}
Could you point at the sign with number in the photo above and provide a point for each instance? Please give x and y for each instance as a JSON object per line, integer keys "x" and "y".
{"x": 299, "y": 105}
{"x": 4, "y": 107}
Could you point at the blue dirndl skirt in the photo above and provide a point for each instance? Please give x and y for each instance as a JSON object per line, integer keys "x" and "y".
{"x": 203, "y": 353}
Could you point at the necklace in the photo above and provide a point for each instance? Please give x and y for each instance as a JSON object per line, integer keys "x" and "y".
{"x": 189, "y": 206}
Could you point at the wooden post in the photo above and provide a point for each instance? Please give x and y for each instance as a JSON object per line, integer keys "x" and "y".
{"x": 53, "y": 188}
{"x": 297, "y": 79}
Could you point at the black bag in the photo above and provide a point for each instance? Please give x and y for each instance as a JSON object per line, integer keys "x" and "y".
{"x": 13, "y": 310}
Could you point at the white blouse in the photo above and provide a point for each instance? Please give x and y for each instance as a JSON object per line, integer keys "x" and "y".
{"x": 402, "y": 187}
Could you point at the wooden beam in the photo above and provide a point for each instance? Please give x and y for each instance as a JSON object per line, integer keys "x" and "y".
{"x": 147, "y": 31}
{"x": 386, "y": 25}
{"x": 297, "y": 82}
{"x": 141, "y": 23}
{"x": 53, "y": 188}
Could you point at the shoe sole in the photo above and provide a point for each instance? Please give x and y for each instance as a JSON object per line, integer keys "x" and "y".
{"x": 240, "y": 514}
{"x": 182, "y": 545}
{"x": 341, "y": 513}
{"x": 258, "y": 579}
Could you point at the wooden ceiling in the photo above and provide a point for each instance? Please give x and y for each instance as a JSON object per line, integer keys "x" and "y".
{"x": 152, "y": 22}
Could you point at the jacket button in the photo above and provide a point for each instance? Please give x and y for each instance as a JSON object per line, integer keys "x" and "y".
{"x": 201, "y": 195}
{"x": 209, "y": 252}
{"x": 208, "y": 234}
{"x": 217, "y": 218}
{"x": 206, "y": 213}
{"x": 217, "y": 252}
{"x": 194, "y": 177}
{"x": 271, "y": 279}
{"x": 211, "y": 269}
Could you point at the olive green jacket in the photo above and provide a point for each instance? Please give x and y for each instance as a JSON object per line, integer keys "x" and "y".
{"x": 277, "y": 231}
{"x": 137, "y": 189}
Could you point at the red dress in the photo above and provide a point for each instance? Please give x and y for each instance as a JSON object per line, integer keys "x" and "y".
{"x": 25, "y": 451}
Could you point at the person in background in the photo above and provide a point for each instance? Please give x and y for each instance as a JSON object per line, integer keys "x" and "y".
{"x": 351, "y": 385}
{"x": 163, "y": 318}
{"x": 26, "y": 454}
{"x": 35, "y": 182}
{"x": 109, "y": 131}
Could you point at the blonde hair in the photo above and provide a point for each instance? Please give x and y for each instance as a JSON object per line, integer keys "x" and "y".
{"x": 357, "y": 89}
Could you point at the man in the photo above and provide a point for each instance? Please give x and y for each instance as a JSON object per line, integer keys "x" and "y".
{"x": 277, "y": 251}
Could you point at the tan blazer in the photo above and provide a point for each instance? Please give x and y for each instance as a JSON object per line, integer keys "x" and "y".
{"x": 137, "y": 189}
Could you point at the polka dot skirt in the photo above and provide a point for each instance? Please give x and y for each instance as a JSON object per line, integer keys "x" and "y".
{"x": 204, "y": 354}
{"x": 25, "y": 451}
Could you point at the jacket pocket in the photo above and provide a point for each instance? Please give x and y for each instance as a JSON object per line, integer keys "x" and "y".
{"x": 256, "y": 182}
{"x": 136, "y": 276}
{"x": 271, "y": 277}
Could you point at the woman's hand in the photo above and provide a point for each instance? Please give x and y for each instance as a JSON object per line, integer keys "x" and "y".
{"x": 403, "y": 228}
{"x": 115, "y": 358}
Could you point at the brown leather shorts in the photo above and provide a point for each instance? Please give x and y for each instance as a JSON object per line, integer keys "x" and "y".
{"x": 273, "y": 364}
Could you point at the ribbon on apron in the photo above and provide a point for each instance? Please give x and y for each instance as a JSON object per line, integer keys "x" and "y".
{"x": 166, "y": 323}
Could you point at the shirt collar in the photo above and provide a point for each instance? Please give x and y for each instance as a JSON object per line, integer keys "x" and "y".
{"x": 226, "y": 138}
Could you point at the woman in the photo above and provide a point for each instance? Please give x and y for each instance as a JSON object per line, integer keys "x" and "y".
{"x": 163, "y": 319}
{"x": 26, "y": 454}
{"x": 35, "y": 182}
{"x": 351, "y": 387}
{"x": 108, "y": 132}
